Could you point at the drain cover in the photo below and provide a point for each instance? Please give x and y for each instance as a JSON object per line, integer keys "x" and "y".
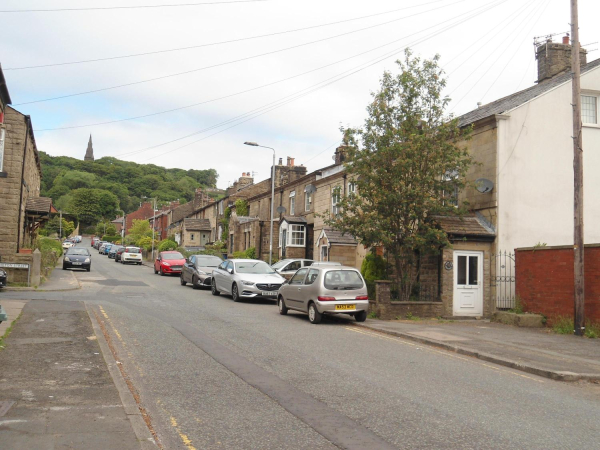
{"x": 5, "y": 406}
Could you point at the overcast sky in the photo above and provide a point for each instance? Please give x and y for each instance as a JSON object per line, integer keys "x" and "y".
{"x": 486, "y": 48}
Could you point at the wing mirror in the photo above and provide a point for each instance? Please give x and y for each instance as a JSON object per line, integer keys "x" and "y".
{"x": 230, "y": 271}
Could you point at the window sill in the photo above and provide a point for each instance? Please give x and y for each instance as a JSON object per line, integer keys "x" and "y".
{"x": 590, "y": 125}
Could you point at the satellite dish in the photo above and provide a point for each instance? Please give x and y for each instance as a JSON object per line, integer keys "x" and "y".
{"x": 310, "y": 189}
{"x": 281, "y": 209}
{"x": 484, "y": 185}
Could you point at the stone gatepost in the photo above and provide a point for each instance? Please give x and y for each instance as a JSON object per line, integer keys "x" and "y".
{"x": 36, "y": 268}
{"x": 383, "y": 297}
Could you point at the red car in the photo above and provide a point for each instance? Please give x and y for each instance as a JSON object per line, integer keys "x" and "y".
{"x": 169, "y": 262}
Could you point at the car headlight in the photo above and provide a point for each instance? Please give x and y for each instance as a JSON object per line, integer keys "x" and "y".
{"x": 67, "y": 258}
{"x": 87, "y": 260}
{"x": 166, "y": 264}
{"x": 202, "y": 272}
{"x": 248, "y": 283}
{"x": 2, "y": 273}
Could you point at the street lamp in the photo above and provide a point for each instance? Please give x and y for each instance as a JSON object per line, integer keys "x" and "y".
{"x": 254, "y": 144}
{"x": 123, "y": 226}
{"x": 153, "y": 221}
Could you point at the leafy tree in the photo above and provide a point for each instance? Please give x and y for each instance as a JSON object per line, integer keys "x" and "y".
{"x": 167, "y": 244}
{"x": 140, "y": 229}
{"x": 111, "y": 229}
{"x": 53, "y": 226}
{"x": 91, "y": 204}
{"x": 405, "y": 161}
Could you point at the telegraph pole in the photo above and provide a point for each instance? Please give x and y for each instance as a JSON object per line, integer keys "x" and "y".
{"x": 578, "y": 247}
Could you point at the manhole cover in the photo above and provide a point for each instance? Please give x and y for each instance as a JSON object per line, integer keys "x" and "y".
{"x": 5, "y": 406}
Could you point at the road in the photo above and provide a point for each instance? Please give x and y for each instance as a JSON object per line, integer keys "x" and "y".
{"x": 212, "y": 373}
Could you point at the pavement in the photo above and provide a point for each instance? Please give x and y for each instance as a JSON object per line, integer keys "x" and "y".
{"x": 59, "y": 280}
{"x": 56, "y": 390}
{"x": 533, "y": 350}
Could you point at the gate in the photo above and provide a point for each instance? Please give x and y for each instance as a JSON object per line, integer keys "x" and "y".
{"x": 502, "y": 279}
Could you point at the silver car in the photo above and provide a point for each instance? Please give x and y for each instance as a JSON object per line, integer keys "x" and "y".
{"x": 326, "y": 289}
{"x": 288, "y": 267}
{"x": 246, "y": 278}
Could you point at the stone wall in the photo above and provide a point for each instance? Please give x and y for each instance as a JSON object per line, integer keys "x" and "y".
{"x": 20, "y": 275}
{"x": 386, "y": 309}
{"x": 345, "y": 254}
{"x": 545, "y": 280}
{"x": 555, "y": 58}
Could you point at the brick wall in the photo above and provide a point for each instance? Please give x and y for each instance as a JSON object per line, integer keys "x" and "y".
{"x": 143, "y": 213}
{"x": 389, "y": 310}
{"x": 545, "y": 280}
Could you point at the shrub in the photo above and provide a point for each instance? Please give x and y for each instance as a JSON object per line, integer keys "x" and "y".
{"x": 45, "y": 244}
{"x": 248, "y": 254}
{"x": 111, "y": 238}
{"x": 166, "y": 245}
{"x": 51, "y": 251}
{"x": 145, "y": 243}
{"x": 565, "y": 325}
{"x": 373, "y": 267}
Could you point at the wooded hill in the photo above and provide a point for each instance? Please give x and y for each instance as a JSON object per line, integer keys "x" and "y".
{"x": 94, "y": 189}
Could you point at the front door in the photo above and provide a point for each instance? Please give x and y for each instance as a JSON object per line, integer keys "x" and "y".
{"x": 310, "y": 241}
{"x": 468, "y": 286}
{"x": 283, "y": 242}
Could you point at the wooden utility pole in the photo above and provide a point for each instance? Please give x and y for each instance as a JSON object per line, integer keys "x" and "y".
{"x": 578, "y": 247}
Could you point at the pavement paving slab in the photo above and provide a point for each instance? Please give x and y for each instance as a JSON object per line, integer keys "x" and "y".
{"x": 57, "y": 385}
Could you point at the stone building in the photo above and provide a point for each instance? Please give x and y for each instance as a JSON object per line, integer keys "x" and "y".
{"x": 89, "y": 153}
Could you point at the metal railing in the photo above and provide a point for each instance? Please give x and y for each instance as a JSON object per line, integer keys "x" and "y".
{"x": 503, "y": 279}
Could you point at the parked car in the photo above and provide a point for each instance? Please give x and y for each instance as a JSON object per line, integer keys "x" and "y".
{"x": 98, "y": 244}
{"x": 107, "y": 248}
{"x": 103, "y": 249}
{"x": 77, "y": 258}
{"x": 131, "y": 255}
{"x": 94, "y": 240}
{"x": 326, "y": 289}
{"x": 77, "y": 239}
{"x": 288, "y": 267}
{"x": 169, "y": 262}
{"x": 113, "y": 251}
{"x": 3, "y": 278}
{"x": 198, "y": 270}
{"x": 67, "y": 244}
{"x": 118, "y": 253}
{"x": 246, "y": 278}
{"x": 325, "y": 263}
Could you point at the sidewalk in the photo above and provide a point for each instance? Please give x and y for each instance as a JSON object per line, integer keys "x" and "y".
{"x": 532, "y": 350}
{"x": 55, "y": 388}
{"x": 59, "y": 280}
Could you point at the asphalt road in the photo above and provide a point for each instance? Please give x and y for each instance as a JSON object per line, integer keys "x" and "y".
{"x": 217, "y": 374}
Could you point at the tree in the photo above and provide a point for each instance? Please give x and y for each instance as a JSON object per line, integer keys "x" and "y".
{"x": 54, "y": 226}
{"x": 407, "y": 164}
{"x": 140, "y": 229}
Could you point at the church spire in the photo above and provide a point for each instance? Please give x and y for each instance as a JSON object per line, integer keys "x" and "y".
{"x": 89, "y": 153}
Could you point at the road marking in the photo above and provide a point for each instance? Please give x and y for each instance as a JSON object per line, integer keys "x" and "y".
{"x": 186, "y": 441}
{"x": 441, "y": 352}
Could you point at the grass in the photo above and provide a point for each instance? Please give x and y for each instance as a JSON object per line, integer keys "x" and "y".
{"x": 17, "y": 284}
{"x": 372, "y": 315}
{"x": 518, "y": 309}
{"x": 410, "y": 316}
{"x": 7, "y": 332}
{"x": 564, "y": 325}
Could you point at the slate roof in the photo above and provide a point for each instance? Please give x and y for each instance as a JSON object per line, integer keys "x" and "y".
{"x": 182, "y": 211}
{"x": 39, "y": 204}
{"x": 197, "y": 224}
{"x": 293, "y": 219}
{"x": 337, "y": 237}
{"x": 512, "y": 101}
{"x": 471, "y": 225}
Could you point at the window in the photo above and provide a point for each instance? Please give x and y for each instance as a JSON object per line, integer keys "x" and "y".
{"x": 297, "y": 235}
{"x": 299, "y": 277}
{"x": 324, "y": 253}
{"x": 589, "y": 109}
{"x": 192, "y": 237}
{"x": 293, "y": 266}
{"x": 307, "y": 201}
{"x": 292, "y": 202}
{"x": 451, "y": 192}
{"x": 343, "y": 279}
{"x": 221, "y": 207}
{"x": 335, "y": 200}
{"x": 467, "y": 271}
{"x": 312, "y": 276}
{"x": 2, "y": 137}
{"x": 351, "y": 188}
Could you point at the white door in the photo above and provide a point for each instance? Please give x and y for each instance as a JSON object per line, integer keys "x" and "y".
{"x": 468, "y": 287}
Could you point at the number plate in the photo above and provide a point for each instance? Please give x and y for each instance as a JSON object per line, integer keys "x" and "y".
{"x": 77, "y": 263}
{"x": 344, "y": 307}
{"x": 268, "y": 293}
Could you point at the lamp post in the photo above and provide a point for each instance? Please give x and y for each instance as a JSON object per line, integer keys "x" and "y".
{"x": 153, "y": 222}
{"x": 123, "y": 226}
{"x": 254, "y": 144}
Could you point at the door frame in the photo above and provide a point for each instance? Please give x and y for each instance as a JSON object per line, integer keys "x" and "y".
{"x": 480, "y": 284}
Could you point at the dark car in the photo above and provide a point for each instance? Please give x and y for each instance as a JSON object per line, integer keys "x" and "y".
{"x": 198, "y": 270}
{"x": 113, "y": 251}
{"x": 169, "y": 262}
{"x": 77, "y": 258}
{"x": 3, "y": 277}
{"x": 118, "y": 253}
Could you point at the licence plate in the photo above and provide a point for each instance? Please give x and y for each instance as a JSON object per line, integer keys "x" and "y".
{"x": 344, "y": 307}
{"x": 268, "y": 293}
{"x": 76, "y": 263}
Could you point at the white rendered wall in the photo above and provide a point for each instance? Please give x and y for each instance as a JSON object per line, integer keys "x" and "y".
{"x": 535, "y": 179}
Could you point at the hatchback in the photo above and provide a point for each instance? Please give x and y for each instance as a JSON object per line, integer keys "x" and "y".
{"x": 198, "y": 270}
{"x": 169, "y": 262}
{"x": 118, "y": 253}
{"x": 131, "y": 255}
{"x": 325, "y": 290}
{"x": 77, "y": 258}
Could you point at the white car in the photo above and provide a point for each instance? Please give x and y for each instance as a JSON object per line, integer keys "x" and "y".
{"x": 131, "y": 255}
{"x": 67, "y": 244}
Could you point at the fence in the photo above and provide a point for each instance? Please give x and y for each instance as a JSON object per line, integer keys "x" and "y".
{"x": 503, "y": 279}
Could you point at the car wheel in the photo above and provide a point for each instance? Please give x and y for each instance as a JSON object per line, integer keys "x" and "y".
{"x": 88, "y": 269}
{"x": 155, "y": 271}
{"x": 213, "y": 288}
{"x": 235, "y": 295}
{"x": 195, "y": 282}
{"x": 64, "y": 267}
{"x": 360, "y": 316}
{"x": 162, "y": 274}
{"x": 314, "y": 316}
{"x": 139, "y": 264}
{"x": 281, "y": 305}
{"x": 181, "y": 280}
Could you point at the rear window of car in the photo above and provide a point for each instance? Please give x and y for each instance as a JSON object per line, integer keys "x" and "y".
{"x": 133, "y": 250}
{"x": 342, "y": 279}
{"x": 170, "y": 256}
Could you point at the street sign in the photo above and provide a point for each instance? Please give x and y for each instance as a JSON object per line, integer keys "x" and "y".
{"x": 14, "y": 266}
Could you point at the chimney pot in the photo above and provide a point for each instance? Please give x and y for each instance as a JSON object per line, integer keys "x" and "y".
{"x": 288, "y": 161}
{"x": 280, "y": 161}
{"x": 566, "y": 40}
{"x": 479, "y": 104}
{"x": 292, "y": 161}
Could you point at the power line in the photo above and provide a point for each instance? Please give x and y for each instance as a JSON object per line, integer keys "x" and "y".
{"x": 234, "y": 61}
{"x": 282, "y": 103}
{"x": 133, "y": 55}
{"x": 105, "y": 8}
{"x": 339, "y": 76}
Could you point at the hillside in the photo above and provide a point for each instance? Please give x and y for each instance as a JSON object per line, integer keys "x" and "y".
{"x": 114, "y": 184}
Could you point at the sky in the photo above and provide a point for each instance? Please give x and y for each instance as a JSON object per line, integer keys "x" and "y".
{"x": 285, "y": 74}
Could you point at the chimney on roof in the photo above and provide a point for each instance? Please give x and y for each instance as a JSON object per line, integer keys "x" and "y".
{"x": 555, "y": 58}
{"x": 280, "y": 161}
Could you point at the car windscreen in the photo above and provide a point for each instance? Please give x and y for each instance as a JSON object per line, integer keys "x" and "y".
{"x": 133, "y": 250}
{"x": 280, "y": 264}
{"x": 208, "y": 261}
{"x": 171, "y": 256}
{"x": 78, "y": 251}
{"x": 257, "y": 267}
{"x": 342, "y": 279}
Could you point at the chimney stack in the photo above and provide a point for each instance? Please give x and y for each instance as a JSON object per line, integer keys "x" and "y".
{"x": 555, "y": 58}
{"x": 280, "y": 161}
{"x": 566, "y": 40}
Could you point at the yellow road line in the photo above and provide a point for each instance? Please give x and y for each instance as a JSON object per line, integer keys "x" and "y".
{"x": 186, "y": 441}
{"x": 441, "y": 352}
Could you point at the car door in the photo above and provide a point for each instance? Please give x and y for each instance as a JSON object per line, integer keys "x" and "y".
{"x": 187, "y": 269}
{"x": 308, "y": 290}
{"x": 218, "y": 275}
{"x": 294, "y": 289}
{"x": 227, "y": 280}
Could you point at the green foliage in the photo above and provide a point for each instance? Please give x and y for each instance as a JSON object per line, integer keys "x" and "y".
{"x": 241, "y": 207}
{"x": 89, "y": 205}
{"x": 128, "y": 181}
{"x": 53, "y": 226}
{"x": 111, "y": 238}
{"x": 216, "y": 249}
{"x": 111, "y": 229}
{"x": 409, "y": 316}
{"x": 167, "y": 244}
{"x": 519, "y": 306}
{"x": 51, "y": 250}
{"x": 140, "y": 229}
{"x": 144, "y": 242}
{"x": 246, "y": 254}
{"x": 565, "y": 325}
{"x": 48, "y": 244}
{"x": 372, "y": 315}
{"x": 225, "y": 224}
{"x": 373, "y": 268}
{"x": 405, "y": 161}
